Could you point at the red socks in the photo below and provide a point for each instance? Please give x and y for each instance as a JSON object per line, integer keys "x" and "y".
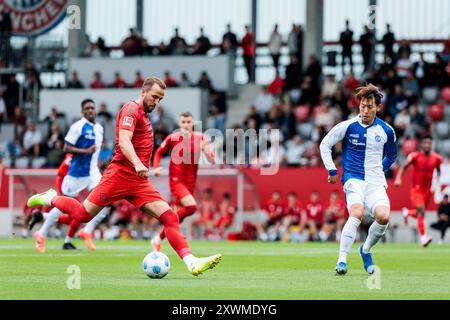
{"x": 420, "y": 224}
{"x": 73, "y": 228}
{"x": 412, "y": 213}
{"x": 72, "y": 207}
{"x": 182, "y": 213}
{"x": 172, "y": 229}
{"x": 65, "y": 219}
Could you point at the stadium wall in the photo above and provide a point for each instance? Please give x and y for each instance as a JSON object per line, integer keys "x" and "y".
{"x": 219, "y": 68}
{"x": 176, "y": 101}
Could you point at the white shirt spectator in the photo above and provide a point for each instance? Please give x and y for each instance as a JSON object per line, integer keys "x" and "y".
{"x": 402, "y": 119}
{"x": 275, "y": 43}
{"x": 264, "y": 102}
{"x": 329, "y": 88}
{"x": 403, "y": 65}
{"x": 2, "y": 107}
{"x": 294, "y": 152}
{"x": 31, "y": 138}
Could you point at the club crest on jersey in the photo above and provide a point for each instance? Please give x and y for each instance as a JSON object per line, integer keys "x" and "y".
{"x": 127, "y": 122}
{"x": 377, "y": 138}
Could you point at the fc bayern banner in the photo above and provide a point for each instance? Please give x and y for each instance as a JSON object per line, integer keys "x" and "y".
{"x": 34, "y": 17}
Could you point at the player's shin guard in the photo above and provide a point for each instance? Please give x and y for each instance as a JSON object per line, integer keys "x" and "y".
{"x": 52, "y": 218}
{"x": 173, "y": 233}
{"x": 72, "y": 207}
{"x": 348, "y": 237}
{"x": 376, "y": 231}
{"x": 182, "y": 213}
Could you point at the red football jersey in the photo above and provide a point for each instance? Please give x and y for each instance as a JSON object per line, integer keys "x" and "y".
{"x": 275, "y": 208}
{"x": 184, "y": 155}
{"x": 423, "y": 169}
{"x": 65, "y": 165}
{"x": 315, "y": 211}
{"x": 132, "y": 117}
{"x": 295, "y": 211}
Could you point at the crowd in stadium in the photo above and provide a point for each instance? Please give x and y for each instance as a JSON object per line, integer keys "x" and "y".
{"x": 303, "y": 102}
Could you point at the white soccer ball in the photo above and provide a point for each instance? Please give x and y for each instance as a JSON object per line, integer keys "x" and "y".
{"x": 156, "y": 265}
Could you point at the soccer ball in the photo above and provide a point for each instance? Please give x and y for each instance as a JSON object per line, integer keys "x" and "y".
{"x": 156, "y": 265}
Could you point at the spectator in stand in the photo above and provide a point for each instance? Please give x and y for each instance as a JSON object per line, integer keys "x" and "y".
{"x": 177, "y": 45}
{"x": 32, "y": 140}
{"x": 185, "y": 82}
{"x": 314, "y": 216}
{"x": 438, "y": 73}
{"x": 103, "y": 114}
{"x": 350, "y": 83}
{"x": 443, "y": 222}
{"x": 422, "y": 71}
{"x": 147, "y": 49}
{"x": 98, "y": 82}
{"x": 2, "y": 107}
{"x": 226, "y": 216}
{"x": 56, "y": 117}
{"x": 295, "y": 149}
{"x": 293, "y": 73}
{"x": 335, "y": 217}
{"x": 325, "y": 118}
{"x": 104, "y": 50}
{"x": 119, "y": 82}
{"x": 255, "y": 116}
{"x": 418, "y": 120}
{"x": 403, "y": 65}
{"x": 397, "y": 101}
{"x": 132, "y": 45}
{"x": 205, "y": 82}
{"x": 169, "y": 80}
{"x": 6, "y": 29}
{"x": 275, "y": 43}
{"x": 276, "y": 87}
{"x": 411, "y": 85}
{"x": 329, "y": 87}
{"x": 74, "y": 82}
{"x": 248, "y": 53}
{"x": 309, "y": 92}
{"x": 314, "y": 70}
{"x": 401, "y": 122}
{"x": 229, "y": 42}
{"x": 139, "y": 80}
{"x": 160, "y": 116}
{"x": 288, "y": 122}
{"x": 11, "y": 95}
{"x": 346, "y": 42}
{"x": 105, "y": 155}
{"x": 275, "y": 210}
{"x": 202, "y": 44}
{"x": 159, "y": 134}
{"x": 294, "y": 217}
{"x": 292, "y": 41}
{"x": 388, "y": 42}
{"x": 162, "y": 49}
{"x": 19, "y": 119}
{"x": 264, "y": 101}
{"x": 56, "y": 154}
{"x": 367, "y": 43}
{"x": 300, "y": 33}
{"x": 53, "y": 136}
{"x": 404, "y": 48}
{"x": 202, "y": 223}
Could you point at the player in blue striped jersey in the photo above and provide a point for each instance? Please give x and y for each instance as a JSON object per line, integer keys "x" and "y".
{"x": 368, "y": 150}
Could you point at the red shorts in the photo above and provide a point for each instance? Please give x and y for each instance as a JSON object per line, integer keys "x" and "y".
{"x": 419, "y": 198}
{"x": 122, "y": 182}
{"x": 181, "y": 189}
{"x": 224, "y": 221}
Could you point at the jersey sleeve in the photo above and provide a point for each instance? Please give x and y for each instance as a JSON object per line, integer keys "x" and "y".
{"x": 165, "y": 145}
{"x": 128, "y": 118}
{"x": 391, "y": 150}
{"x": 74, "y": 134}
{"x": 335, "y": 135}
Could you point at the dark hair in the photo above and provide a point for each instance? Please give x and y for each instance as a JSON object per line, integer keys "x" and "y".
{"x": 186, "y": 115}
{"x": 226, "y": 195}
{"x": 426, "y": 136}
{"x": 292, "y": 193}
{"x": 86, "y": 101}
{"x": 369, "y": 91}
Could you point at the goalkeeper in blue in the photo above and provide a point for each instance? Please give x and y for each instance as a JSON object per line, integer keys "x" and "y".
{"x": 368, "y": 150}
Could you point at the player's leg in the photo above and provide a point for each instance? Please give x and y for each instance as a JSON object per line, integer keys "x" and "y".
{"x": 73, "y": 228}
{"x": 354, "y": 192}
{"x": 162, "y": 211}
{"x": 88, "y": 230}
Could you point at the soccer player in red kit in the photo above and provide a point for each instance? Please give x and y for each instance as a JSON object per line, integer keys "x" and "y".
{"x": 424, "y": 163}
{"x": 186, "y": 147}
{"x": 127, "y": 177}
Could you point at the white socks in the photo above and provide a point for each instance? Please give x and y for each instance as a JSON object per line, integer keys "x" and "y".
{"x": 68, "y": 239}
{"x": 376, "y": 231}
{"x": 50, "y": 220}
{"x": 348, "y": 237}
{"x": 189, "y": 259}
{"x": 90, "y": 226}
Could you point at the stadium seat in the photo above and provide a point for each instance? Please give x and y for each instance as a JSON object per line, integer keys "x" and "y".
{"x": 442, "y": 129}
{"x": 39, "y": 162}
{"x": 445, "y": 94}
{"x": 7, "y": 131}
{"x": 436, "y": 112}
{"x": 22, "y": 162}
{"x": 409, "y": 145}
{"x": 430, "y": 94}
{"x": 301, "y": 113}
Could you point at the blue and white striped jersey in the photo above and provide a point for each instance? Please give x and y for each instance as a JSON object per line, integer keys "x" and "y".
{"x": 367, "y": 151}
{"x": 83, "y": 134}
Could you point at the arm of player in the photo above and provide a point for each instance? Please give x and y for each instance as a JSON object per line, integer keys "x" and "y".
{"x": 391, "y": 151}
{"x": 159, "y": 153}
{"x": 126, "y": 146}
{"x": 206, "y": 148}
{"x": 71, "y": 139}
{"x": 335, "y": 135}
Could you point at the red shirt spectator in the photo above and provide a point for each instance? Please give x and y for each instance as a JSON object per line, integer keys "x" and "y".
{"x": 275, "y": 206}
{"x": 276, "y": 86}
{"x": 169, "y": 80}
{"x": 98, "y": 82}
{"x": 119, "y": 82}
{"x": 315, "y": 209}
{"x": 139, "y": 81}
{"x": 247, "y": 44}
{"x": 294, "y": 208}
{"x": 351, "y": 82}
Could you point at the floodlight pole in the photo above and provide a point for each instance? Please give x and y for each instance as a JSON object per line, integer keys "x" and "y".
{"x": 314, "y": 30}
{"x": 140, "y": 16}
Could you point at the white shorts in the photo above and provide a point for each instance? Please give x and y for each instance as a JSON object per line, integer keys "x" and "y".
{"x": 72, "y": 186}
{"x": 369, "y": 195}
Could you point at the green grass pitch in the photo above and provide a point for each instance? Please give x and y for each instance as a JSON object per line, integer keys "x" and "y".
{"x": 249, "y": 270}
